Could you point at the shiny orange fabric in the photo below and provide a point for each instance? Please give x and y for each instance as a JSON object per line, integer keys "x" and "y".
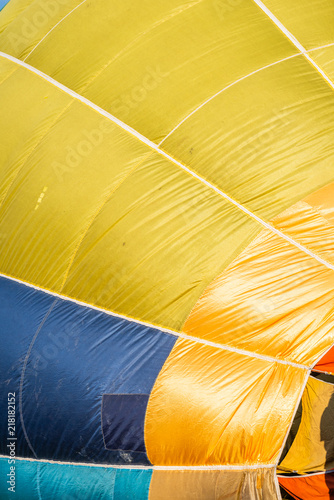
{"x": 326, "y": 363}
{"x": 214, "y": 407}
{"x": 313, "y": 487}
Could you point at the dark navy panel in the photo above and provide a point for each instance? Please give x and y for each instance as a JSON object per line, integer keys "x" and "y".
{"x": 21, "y": 313}
{"x": 123, "y": 418}
{"x": 76, "y": 355}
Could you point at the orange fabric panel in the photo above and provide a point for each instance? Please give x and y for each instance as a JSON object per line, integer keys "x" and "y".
{"x": 323, "y": 202}
{"x": 213, "y": 485}
{"x": 326, "y": 363}
{"x": 274, "y": 299}
{"x": 313, "y": 487}
{"x": 214, "y": 407}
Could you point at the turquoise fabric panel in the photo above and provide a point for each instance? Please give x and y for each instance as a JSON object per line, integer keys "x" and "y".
{"x": 132, "y": 484}
{"x": 36, "y": 480}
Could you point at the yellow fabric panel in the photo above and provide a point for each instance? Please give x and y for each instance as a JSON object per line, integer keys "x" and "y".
{"x": 156, "y": 244}
{"x": 268, "y": 141}
{"x": 26, "y": 120}
{"x": 325, "y": 59}
{"x": 174, "y": 54}
{"x": 213, "y": 485}
{"x": 210, "y": 406}
{"x": 310, "y": 21}
{"x": 10, "y": 12}
{"x": 267, "y": 162}
{"x": 23, "y": 23}
{"x": 311, "y": 222}
{"x": 323, "y": 201}
{"x": 313, "y": 447}
{"x": 60, "y": 161}
{"x": 273, "y": 299}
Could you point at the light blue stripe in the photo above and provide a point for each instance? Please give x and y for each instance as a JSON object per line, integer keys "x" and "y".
{"x": 3, "y": 3}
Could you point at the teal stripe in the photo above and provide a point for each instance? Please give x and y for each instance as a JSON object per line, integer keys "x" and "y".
{"x": 132, "y": 484}
{"x": 50, "y": 481}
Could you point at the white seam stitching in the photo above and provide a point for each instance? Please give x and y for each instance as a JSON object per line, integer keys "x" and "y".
{"x": 61, "y": 20}
{"x": 294, "y": 40}
{"x": 154, "y": 467}
{"x": 161, "y": 329}
{"x": 156, "y": 148}
{"x": 238, "y": 81}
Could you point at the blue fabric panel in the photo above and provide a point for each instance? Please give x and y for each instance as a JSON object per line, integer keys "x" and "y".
{"x": 123, "y": 418}
{"x": 67, "y": 356}
{"x": 3, "y": 3}
{"x": 132, "y": 484}
{"x": 37, "y": 480}
{"x": 21, "y": 313}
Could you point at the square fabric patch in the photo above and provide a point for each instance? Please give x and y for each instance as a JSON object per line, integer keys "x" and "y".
{"x": 123, "y": 417}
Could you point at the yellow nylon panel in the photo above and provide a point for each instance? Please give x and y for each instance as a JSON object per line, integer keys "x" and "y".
{"x": 325, "y": 59}
{"x": 46, "y": 143}
{"x": 12, "y": 10}
{"x": 155, "y": 245}
{"x": 313, "y": 447}
{"x": 24, "y": 23}
{"x": 26, "y": 120}
{"x": 174, "y": 54}
{"x": 149, "y": 249}
{"x": 210, "y": 406}
{"x": 264, "y": 138}
{"x": 310, "y": 21}
{"x": 213, "y": 485}
{"x": 268, "y": 141}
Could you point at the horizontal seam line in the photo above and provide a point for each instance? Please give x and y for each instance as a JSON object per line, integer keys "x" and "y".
{"x": 151, "y": 467}
{"x": 156, "y": 327}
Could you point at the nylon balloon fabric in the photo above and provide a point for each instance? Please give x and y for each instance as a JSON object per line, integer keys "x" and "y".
{"x": 166, "y": 249}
